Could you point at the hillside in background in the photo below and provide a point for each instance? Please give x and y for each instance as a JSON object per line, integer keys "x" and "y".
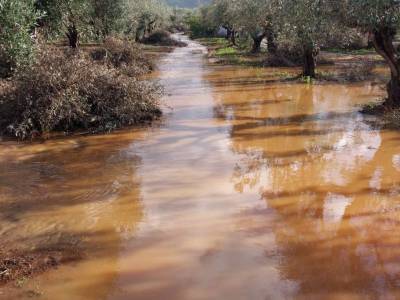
{"x": 187, "y": 3}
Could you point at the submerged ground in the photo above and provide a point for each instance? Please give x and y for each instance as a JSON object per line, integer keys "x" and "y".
{"x": 249, "y": 189}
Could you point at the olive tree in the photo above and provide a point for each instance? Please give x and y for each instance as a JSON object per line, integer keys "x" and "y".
{"x": 381, "y": 20}
{"x": 307, "y": 22}
{"x": 222, "y": 13}
{"x": 256, "y": 17}
{"x": 17, "y": 21}
{"x": 69, "y": 17}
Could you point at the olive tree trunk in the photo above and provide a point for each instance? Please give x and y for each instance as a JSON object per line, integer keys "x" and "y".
{"x": 383, "y": 43}
{"x": 73, "y": 36}
{"x": 257, "y": 40}
{"x": 272, "y": 47}
{"x": 233, "y": 37}
{"x": 228, "y": 33}
{"x": 150, "y": 27}
{"x": 309, "y": 62}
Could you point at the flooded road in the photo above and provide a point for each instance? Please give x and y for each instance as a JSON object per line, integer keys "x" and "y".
{"x": 249, "y": 189}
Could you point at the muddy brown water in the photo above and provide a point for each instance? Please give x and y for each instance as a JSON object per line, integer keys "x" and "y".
{"x": 249, "y": 189}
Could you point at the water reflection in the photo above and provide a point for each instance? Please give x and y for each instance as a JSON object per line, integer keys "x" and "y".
{"x": 331, "y": 180}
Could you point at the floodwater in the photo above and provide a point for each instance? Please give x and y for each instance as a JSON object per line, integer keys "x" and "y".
{"x": 248, "y": 189}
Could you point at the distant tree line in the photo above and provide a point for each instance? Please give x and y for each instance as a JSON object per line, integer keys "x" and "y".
{"x": 187, "y": 3}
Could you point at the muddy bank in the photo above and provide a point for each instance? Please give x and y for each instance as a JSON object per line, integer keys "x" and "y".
{"x": 332, "y": 65}
{"x": 18, "y": 265}
{"x": 385, "y": 116}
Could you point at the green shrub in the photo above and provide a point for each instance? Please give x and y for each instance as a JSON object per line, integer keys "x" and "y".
{"x": 69, "y": 91}
{"x": 198, "y": 28}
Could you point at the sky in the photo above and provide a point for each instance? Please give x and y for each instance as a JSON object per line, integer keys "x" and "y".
{"x": 187, "y": 3}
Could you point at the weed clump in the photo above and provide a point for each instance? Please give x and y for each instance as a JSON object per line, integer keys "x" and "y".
{"x": 68, "y": 91}
{"x": 124, "y": 55}
{"x": 358, "y": 72}
{"x": 387, "y": 117}
{"x": 163, "y": 38}
{"x": 392, "y": 119}
{"x": 354, "y": 72}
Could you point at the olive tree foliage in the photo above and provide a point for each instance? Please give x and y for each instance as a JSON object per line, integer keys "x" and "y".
{"x": 307, "y": 23}
{"x": 381, "y": 19}
{"x": 17, "y": 20}
{"x": 179, "y": 18}
{"x": 145, "y": 16}
{"x": 51, "y": 21}
{"x": 201, "y": 22}
{"x": 107, "y": 16}
{"x": 77, "y": 18}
